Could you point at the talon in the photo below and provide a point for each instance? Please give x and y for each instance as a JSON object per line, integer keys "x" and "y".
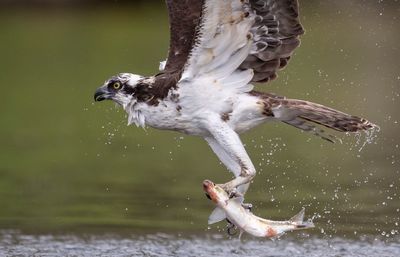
{"x": 225, "y": 187}
{"x": 231, "y": 228}
{"x": 234, "y": 193}
{"x": 247, "y": 206}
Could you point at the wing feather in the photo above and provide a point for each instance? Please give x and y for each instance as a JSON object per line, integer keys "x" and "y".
{"x": 223, "y": 43}
{"x": 218, "y": 38}
{"x": 276, "y": 35}
{"x": 224, "y": 30}
{"x": 184, "y": 19}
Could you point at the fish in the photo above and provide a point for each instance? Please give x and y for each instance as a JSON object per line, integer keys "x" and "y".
{"x": 233, "y": 211}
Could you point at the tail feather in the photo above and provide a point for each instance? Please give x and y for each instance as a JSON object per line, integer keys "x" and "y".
{"x": 309, "y": 127}
{"x": 306, "y": 115}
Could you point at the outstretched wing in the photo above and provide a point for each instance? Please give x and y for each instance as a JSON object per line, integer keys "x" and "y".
{"x": 276, "y": 35}
{"x": 206, "y": 34}
{"x": 184, "y": 19}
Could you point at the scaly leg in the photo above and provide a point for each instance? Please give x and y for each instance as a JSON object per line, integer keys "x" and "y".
{"x": 234, "y": 155}
{"x": 230, "y": 164}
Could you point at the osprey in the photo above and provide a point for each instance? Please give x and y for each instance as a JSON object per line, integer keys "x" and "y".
{"x": 218, "y": 48}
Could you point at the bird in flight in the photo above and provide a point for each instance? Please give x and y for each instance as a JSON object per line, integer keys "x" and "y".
{"x": 218, "y": 49}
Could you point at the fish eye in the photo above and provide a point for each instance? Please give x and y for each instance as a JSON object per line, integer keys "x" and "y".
{"x": 117, "y": 85}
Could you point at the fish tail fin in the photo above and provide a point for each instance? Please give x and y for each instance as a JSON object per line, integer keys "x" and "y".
{"x": 305, "y": 224}
{"x": 299, "y": 222}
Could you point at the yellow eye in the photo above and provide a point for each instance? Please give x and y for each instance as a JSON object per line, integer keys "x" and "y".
{"x": 117, "y": 85}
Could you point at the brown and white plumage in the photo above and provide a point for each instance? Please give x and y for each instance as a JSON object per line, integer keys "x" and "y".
{"x": 217, "y": 49}
{"x": 276, "y": 31}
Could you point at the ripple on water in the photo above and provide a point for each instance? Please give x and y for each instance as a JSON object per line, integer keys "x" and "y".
{"x": 15, "y": 244}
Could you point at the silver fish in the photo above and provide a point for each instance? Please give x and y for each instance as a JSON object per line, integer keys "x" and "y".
{"x": 232, "y": 209}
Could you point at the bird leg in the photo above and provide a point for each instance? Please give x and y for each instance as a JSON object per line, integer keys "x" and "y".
{"x": 232, "y": 166}
{"x": 232, "y": 187}
{"x": 226, "y": 144}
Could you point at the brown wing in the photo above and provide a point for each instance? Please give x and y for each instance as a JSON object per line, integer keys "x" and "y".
{"x": 276, "y": 34}
{"x": 184, "y": 17}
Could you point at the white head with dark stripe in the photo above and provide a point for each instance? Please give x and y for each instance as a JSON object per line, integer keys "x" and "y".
{"x": 119, "y": 88}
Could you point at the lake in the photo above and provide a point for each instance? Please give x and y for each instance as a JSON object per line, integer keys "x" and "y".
{"x": 75, "y": 179}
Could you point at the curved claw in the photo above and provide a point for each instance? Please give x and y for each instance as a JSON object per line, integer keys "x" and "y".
{"x": 232, "y": 192}
{"x": 235, "y": 193}
{"x": 247, "y": 206}
{"x": 231, "y": 228}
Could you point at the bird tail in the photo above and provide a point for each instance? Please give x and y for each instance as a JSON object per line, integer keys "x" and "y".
{"x": 306, "y": 115}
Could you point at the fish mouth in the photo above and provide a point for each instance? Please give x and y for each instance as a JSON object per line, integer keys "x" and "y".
{"x": 208, "y": 185}
{"x": 209, "y": 188}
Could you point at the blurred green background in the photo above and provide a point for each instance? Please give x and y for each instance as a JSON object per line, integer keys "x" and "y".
{"x": 67, "y": 164}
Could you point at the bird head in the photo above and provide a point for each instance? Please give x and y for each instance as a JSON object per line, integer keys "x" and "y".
{"x": 119, "y": 88}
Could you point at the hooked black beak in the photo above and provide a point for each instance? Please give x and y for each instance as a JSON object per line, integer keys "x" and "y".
{"x": 101, "y": 94}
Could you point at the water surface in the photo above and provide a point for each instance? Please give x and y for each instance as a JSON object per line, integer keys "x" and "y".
{"x": 154, "y": 245}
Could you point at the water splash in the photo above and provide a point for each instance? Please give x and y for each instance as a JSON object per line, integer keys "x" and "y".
{"x": 366, "y": 137}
